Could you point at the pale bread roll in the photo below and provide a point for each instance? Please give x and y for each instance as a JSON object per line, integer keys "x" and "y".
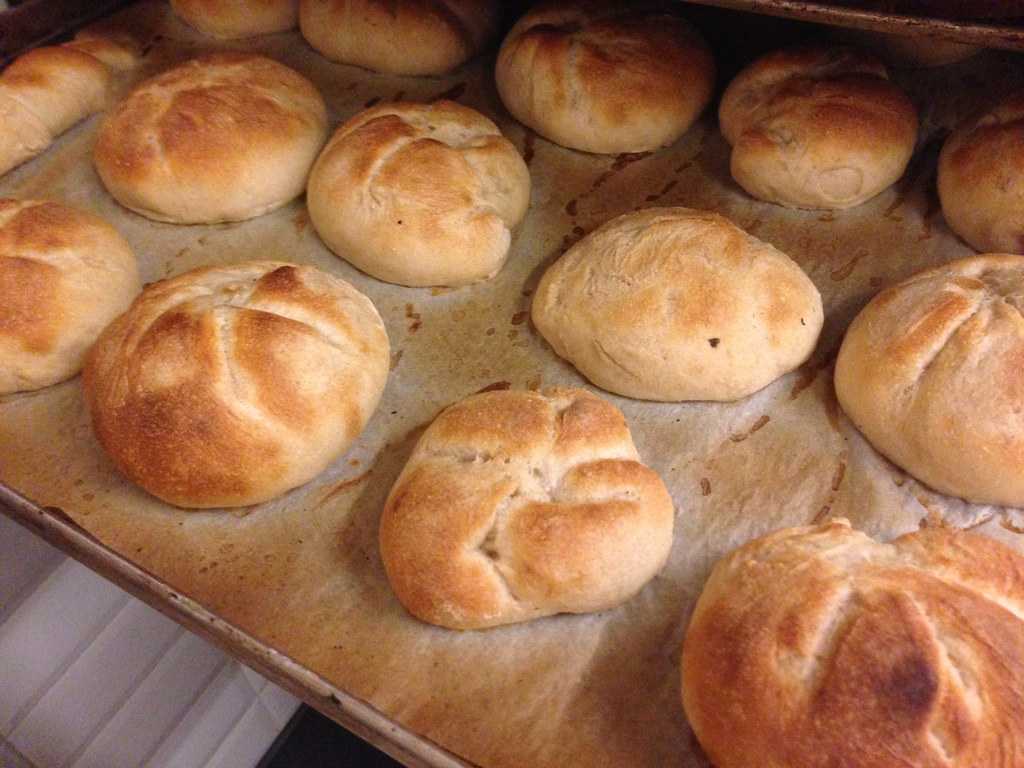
{"x": 981, "y": 178}
{"x": 64, "y": 275}
{"x": 516, "y": 505}
{"x": 115, "y": 47}
{"x": 42, "y": 94}
{"x": 227, "y": 386}
{"x": 930, "y": 373}
{"x": 224, "y": 137}
{"x": 819, "y": 647}
{"x": 404, "y": 37}
{"x": 419, "y": 194}
{"x": 677, "y": 304}
{"x": 817, "y": 127}
{"x": 229, "y": 19}
{"x": 605, "y": 77}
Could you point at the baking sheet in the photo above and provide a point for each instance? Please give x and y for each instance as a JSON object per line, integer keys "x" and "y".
{"x": 992, "y": 23}
{"x": 301, "y": 576}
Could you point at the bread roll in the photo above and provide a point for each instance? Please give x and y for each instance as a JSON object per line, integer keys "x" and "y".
{"x": 419, "y": 194}
{"x": 238, "y": 18}
{"x": 676, "y": 304}
{"x": 930, "y": 372}
{"x": 605, "y": 77}
{"x": 42, "y": 94}
{"x": 224, "y": 137}
{"x": 516, "y": 505}
{"x": 116, "y": 48}
{"x": 981, "y": 178}
{"x": 817, "y": 647}
{"x": 817, "y": 127}
{"x": 64, "y": 275}
{"x": 228, "y": 386}
{"x": 404, "y": 37}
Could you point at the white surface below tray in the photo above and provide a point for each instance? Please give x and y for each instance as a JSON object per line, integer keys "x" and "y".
{"x": 93, "y": 678}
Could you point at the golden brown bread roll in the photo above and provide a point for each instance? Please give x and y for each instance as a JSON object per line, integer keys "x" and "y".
{"x": 817, "y": 127}
{"x": 224, "y": 137}
{"x": 981, "y": 178}
{"x": 678, "y": 304}
{"x": 419, "y": 194}
{"x": 930, "y": 372}
{"x": 404, "y": 37}
{"x": 516, "y": 505}
{"x": 228, "y": 386}
{"x": 238, "y": 18}
{"x": 605, "y": 77}
{"x": 820, "y": 647}
{"x": 42, "y": 94}
{"x": 64, "y": 275}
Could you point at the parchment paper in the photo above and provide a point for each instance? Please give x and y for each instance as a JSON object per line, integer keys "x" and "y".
{"x": 303, "y": 574}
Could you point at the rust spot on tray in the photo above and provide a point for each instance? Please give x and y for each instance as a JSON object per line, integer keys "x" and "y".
{"x": 412, "y": 314}
{"x": 821, "y": 514}
{"x": 843, "y": 272}
{"x": 534, "y": 384}
{"x": 664, "y": 191}
{"x": 300, "y": 221}
{"x": 452, "y": 94}
{"x": 520, "y": 317}
{"x": 342, "y": 486}
{"x": 371, "y": 102}
{"x": 440, "y": 290}
{"x": 529, "y": 139}
{"x": 705, "y": 487}
{"x": 498, "y": 386}
{"x": 757, "y": 425}
{"x": 571, "y": 207}
{"x": 837, "y": 477}
{"x": 1009, "y": 525}
{"x": 396, "y": 359}
{"x": 489, "y": 332}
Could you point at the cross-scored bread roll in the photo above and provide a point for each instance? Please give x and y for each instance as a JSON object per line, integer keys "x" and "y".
{"x": 605, "y": 77}
{"x": 403, "y": 37}
{"x": 516, "y": 505}
{"x": 238, "y": 18}
{"x": 981, "y": 178}
{"x": 930, "y": 373}
{"x": 677, "y": 304}
{"x": 64, "y": 275}
{"x": 817, "y": 127}
{"x": 224, "y": 137}
{"x": 818, "y": 647}
{"x": 42, "y": 94}
{"x": 419, "y": 194}
{"x": 228, "y": 386}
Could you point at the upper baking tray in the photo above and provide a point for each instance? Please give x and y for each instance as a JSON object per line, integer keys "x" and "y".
{"x": 990, "y": 23}
{"x": 296, "y": 586}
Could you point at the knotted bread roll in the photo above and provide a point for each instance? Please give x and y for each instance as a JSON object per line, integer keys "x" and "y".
{"x": 64, "y": 275}
{"x": 930, "y": 373}
{"x": 403, "y": 37}
{"x": 817, "y": 127}
{"x": 224, "y": 137}
{"x": 677, "y": 304}
{"x": 818, "y": 647}
{"x": 230, "y": 19}
{"x": 516, "y": 505}
{"x": 981, "y": 178}
{"x": 228, "y": 386}
{"x": 605, "y": 77}
{"x": 419, "y": 194}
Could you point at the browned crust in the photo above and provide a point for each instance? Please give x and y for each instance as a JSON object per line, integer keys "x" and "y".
{"x": 516, "y": 505}
{"x": 228, "y": 386}
{"x": 602, "y": 77}
{"x": 238, "y": 18}
{"x": 821, "y": 647}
